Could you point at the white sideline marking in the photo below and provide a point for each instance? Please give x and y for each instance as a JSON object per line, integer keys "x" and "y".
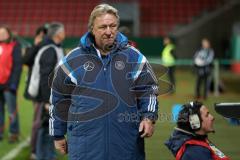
{"x": 14, "y": 152}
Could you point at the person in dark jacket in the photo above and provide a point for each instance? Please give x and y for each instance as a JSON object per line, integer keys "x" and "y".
{"x": 203, "y": 60}
{"x": 28, "y": 60}
{"x": 31, "y": 52}
{"x": 46, "y": 59}
{"x": 8, "y": 89}
{"x": 189, "y": 140}
{"x": 104, "y": 95}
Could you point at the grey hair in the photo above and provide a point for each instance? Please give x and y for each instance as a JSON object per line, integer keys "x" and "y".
{"x": 54, "y": 28}
{"x": 99, "y": 10}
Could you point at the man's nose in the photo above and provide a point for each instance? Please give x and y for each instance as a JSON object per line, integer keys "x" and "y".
{"x": 108, "y": 30}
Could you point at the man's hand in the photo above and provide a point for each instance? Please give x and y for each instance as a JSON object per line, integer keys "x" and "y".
{"x": 38, "y": 39}
{"x": 146, "y": 127}
{"x": 61, "y": 146}
{"x": 47, "y": 106}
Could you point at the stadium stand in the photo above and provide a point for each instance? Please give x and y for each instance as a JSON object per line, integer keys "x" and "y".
{"x": 156, "y": 18}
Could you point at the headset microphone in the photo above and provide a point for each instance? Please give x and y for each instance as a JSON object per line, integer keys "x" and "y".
{"x": 194, "y": 119}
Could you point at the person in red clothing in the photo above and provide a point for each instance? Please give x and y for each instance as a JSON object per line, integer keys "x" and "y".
{"x": 189, "y": 140}
{"x": 10, "y": 72}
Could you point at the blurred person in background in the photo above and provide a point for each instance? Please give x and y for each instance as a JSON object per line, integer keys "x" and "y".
{"x": 203, "y": 61}
{"x": 31, "y": 52}
{"x": 46, "y": 59}
{"x": 126, "y": 31}
{"x": 28, "y": 59}
{"x": 189, "y": 140}
{"x": 106, "y": 81}
{"x": 10, "y": 72}
{"x": 169, "y": 59}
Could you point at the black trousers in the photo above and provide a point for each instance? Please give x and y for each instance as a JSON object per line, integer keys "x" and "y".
{"x": 171, "y": 77}
{"x": 203, "y": 75}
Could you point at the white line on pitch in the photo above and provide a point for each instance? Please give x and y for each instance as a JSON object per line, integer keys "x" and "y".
{"x": 14, "y": 152}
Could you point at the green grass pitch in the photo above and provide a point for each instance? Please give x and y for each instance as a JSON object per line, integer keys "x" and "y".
{"x": 226, "y": 136}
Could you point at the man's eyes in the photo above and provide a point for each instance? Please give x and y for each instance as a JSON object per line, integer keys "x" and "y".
{"x": 105, "y": 27}
{"x": 102, "y": 27}
{"x": 113, "y": 26}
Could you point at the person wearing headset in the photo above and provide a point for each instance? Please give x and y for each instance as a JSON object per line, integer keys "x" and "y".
{"x": 189, "y": 140}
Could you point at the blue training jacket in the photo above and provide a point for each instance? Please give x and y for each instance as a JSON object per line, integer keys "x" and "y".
{"x": 99, "y": 101}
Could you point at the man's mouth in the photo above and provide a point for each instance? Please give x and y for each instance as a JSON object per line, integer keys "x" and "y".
{"x": 109, "y": 39}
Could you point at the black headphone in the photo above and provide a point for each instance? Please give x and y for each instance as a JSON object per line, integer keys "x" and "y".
{"x": 194, "y": 118}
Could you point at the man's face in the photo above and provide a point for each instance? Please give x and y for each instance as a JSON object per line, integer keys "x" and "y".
{"x": 205, "y": 43}
{"x": 166, "y": 41}
{"x": 61, "y": 35}
{"x": 207, "y": 120}
{"x": 3, "y": 34}
{"x": 38, "y": 38}
{"x": 105, "y": 31}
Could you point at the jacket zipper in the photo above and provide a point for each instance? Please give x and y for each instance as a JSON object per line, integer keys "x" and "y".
{"x": 107, "y": 117}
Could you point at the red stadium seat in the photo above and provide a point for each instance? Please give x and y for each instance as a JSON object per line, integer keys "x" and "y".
{"x": 156, "y": 18}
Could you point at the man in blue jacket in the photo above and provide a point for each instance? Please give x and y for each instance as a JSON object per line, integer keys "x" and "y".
{"x": 104, "y": 95}
{"x": 189, "y": 140}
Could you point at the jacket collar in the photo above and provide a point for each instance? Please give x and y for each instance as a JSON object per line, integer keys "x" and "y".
{"x": 179, "y": 137}
{"x": 87, "y": 41}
